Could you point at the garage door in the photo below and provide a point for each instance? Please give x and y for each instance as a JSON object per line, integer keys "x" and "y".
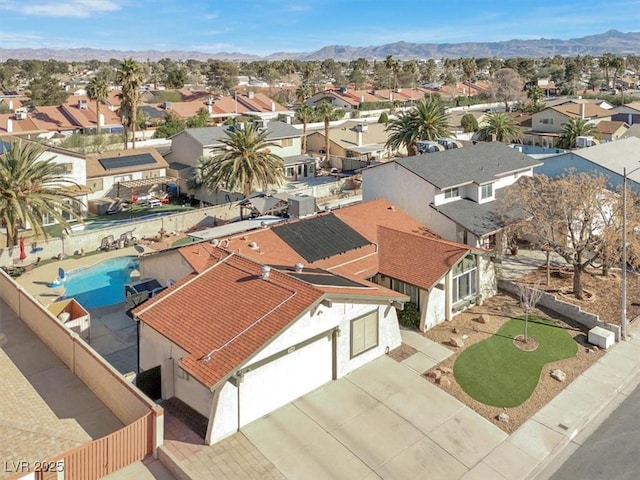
{"x": 285, "y": 379}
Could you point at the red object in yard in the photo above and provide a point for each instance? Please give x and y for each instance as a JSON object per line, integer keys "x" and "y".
{"x": 164, "y": 200}
{"x": 23, "y": 253}
{"x": 134, "y": 198}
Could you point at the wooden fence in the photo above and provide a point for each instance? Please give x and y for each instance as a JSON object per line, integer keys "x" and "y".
{"x": 103, "y": 456}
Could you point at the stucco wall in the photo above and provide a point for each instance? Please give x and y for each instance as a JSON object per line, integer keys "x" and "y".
{"x": 165, "y": 266}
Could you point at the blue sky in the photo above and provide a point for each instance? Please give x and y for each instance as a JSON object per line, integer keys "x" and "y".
{"x": 267, "y": 26}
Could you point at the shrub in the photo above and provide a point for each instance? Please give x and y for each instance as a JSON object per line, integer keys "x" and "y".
{"x": 410, "y": 316}
{"x": 469, "y": 123}
{"x": 384, "y": 118}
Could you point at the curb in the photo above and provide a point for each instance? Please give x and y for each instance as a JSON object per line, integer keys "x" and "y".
{"x": 591, "y": 417}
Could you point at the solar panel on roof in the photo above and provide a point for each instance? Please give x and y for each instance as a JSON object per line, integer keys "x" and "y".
{"x": 320, "y": 237}
{"x": 112, "y": 163}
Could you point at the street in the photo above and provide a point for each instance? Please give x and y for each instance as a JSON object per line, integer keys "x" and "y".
{"x": 610, "y": 452}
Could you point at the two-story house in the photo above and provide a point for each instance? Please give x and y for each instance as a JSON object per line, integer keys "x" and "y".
{"x": 193, "y": 144}
{"x": 452, "y": 192}
{"x": 546, "y": 125}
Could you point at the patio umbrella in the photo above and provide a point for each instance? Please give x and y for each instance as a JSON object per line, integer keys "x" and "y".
{"x": 23, "y": 254}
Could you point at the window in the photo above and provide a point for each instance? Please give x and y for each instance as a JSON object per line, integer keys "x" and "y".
{"x": 486, "y": 191}
{"x": 364, "y": 333}
{"x": 290, "y": 172}
{"x": 464, "y": 282}
{"x": 64, "y": 168}
{"x": 96, "y": 184}
{"x": 409, "y": 290}
{"x": 452, "y": 192}
{"x": 122, "y": 178}
{"x": 546, "y": 121}
{"x": 286, "y": 142}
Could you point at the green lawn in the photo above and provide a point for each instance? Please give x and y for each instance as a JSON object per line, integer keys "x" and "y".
{"x": 496, "y": 372}
{"x": 183, "y": 241}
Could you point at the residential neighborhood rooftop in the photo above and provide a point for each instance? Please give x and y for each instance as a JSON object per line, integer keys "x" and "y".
{"x": 211, "y": 136}
{"x": 459, "y": 166}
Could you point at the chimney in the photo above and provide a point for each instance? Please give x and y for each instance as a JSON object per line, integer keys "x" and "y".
{"x": 9, "y": 125}
{"x": 359, "y": 137}
{"x": 11, "y": 105}
{"x": 390, "y": 96}
{"x": 582, "y": 110}
{"x": 361, "y": 98}
{"x": 101, "y": 120}
{"x": 273, "y": 106}
{"x": 250, "y": 94}
{"x": 493, "y": 137}
{"x": 209, "y": 108}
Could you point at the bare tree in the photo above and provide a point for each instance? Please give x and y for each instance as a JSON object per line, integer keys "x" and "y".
{"x": 507, "y": 86}
{"x": 563, "y": 215}
{"x": 530, "y": 295}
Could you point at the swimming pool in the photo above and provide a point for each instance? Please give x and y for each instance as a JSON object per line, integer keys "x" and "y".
{"x": 102, "y": 284}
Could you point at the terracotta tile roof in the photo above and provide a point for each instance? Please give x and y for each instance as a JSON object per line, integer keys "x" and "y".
{"x": 187, "y": 109}
{"x": 232, "y": 314}
{"x": 18, "y": 126}
{"x": 607, "y": 127}
{"x": 590, "y": 110}
{"x": 399, "y": 252}
{"x": 259, "y": 103}
{"x": 95, "y": 168}
{"x": 52, "y": 119}
{"x": 88, "y": 117}
{"x": 112, "y": 98}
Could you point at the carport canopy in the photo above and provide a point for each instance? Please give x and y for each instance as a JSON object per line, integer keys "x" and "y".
{"x": 145, "y": 182}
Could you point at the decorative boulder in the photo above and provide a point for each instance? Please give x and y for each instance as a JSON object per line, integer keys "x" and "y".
{"x": 558, "y": 375}
{"x": 436, "y": 374}
{"x": 456, "y": 342}
{"x": 481, "y": 319}
{"x": 455, "y": 330}
{"x": 445, "y": 370}
{"x": 503, "y": 417}
{"x": 444, "y": 381}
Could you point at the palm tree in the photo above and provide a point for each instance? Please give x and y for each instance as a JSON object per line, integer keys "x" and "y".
{"x": 304, "y": 91}
{"x": 305, "y": 114}
{"x": 500, "y": 127}
{"x": 98, "y": 91}
{"x": 130, "y": 76}
{"x": 328, "y": 113}
{"x": 426, "y": 121}
{"x": 574, "y": 128}
{"x": 32, "y": 188}
{"x": 247, "y": 161}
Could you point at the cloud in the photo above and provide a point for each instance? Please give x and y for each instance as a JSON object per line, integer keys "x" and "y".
{"x": 210, "y": 16}
{"x": 68, "y": 8}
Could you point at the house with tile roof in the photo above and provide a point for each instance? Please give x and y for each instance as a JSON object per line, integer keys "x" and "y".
{"x": 82, "y": 112}
{"x": 351, "y": 140}
{"x": 123, "y": 173}
{"x": 192, "y": 144}
{"x": 309, "y": 300}
{"x": 452, "y": 192}
{"x": 608, "y": 131}
{"x": 546, "y": 125}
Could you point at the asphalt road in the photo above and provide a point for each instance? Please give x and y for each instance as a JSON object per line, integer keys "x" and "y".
{"x": 612, "y": 451}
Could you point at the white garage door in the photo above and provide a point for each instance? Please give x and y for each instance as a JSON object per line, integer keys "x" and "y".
{"x": 285, "y": 379}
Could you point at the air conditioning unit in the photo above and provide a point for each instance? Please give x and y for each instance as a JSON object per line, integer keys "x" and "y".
{"x": 584, "y": 141}
{"x": 362, "y": 127}
{"x": 425, "y": 146}
{"x": 82, "y": 104}
{"x": 21, "y": 114}
{"x": 167, "y": 105}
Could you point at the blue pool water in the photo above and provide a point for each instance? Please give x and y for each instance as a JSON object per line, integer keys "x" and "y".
{"x": 102, "y": 284}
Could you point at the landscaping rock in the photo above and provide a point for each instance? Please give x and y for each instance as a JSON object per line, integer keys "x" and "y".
{"x": 503, "y": 417}
{"x": 455, "y": 330}
{"x": 444, "y": 381}
{"x": 456, "y": 342}
{"x": 445, "y": 370}
{"x": 559, "y": 375}
{"x": 436, "y": 374}
{"x": 481, "y": 319}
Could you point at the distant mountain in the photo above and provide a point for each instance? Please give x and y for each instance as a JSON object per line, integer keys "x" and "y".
{"x": 612, "y": 41}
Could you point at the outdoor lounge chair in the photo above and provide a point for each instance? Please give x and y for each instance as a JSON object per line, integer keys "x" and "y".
{"x": 127, "y": 239}
{"x": 108, "y": 243}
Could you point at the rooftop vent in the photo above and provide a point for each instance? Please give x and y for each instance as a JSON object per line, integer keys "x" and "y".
{"x": 266, "y": 270}
{"x": 253, "y": 246}
{"x": 215, "y": 242}
{"x": 298, "y": 267}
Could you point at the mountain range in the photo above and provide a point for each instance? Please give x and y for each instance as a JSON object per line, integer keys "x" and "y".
{"x": 612, "y": 41}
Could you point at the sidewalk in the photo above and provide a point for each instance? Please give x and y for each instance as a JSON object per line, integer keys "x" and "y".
{"x": 534, "y": 445}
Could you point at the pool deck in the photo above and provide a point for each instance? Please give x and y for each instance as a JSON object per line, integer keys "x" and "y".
{"x": 112, "y": 333}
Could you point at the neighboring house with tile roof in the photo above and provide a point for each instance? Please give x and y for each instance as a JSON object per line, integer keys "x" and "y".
{"x": 119, "y": 173}
{"x": 609, "y": 159}
{"x": 193, "y": 144}
{"x": 325, "y": 309}
{"x": 608, "y": 131}
{"x": 452, "y": 192}
{"x": 546, "y": 125}
{"x": 82, "y": 112}
{"x": 352, "y": 140}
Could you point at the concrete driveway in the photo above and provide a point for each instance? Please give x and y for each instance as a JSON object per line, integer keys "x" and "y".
{"x": 381, "y": 421}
